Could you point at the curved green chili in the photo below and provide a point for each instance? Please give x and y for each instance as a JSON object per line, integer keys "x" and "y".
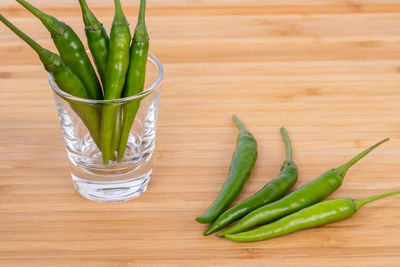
{"x": 118, "y": 62}
{"x": 269, "y": 193}
{"x": 318, "y": 214}
{"x": 307, "y": 195}
{"x": 135, "y": 77}
{"x": 71, "y": 49}
{"x": 66, "y": 81}
{"x": 97, "y": 39}
{"x": 243, "y": 161}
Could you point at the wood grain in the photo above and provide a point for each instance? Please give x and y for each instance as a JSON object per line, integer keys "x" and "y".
{"x": 327, "y": 70}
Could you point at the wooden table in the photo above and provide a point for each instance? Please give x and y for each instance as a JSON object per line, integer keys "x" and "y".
{"x": 327, "y": 70}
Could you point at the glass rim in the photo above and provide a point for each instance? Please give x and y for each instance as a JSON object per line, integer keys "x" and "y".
{"x": 153, "y": 59}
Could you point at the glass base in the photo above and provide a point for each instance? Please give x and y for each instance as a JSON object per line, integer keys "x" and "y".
{"x": 118, "y": 191}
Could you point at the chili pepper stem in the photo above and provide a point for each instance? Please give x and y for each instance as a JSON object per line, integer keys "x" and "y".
{"x": 50, "y": 22}
{"x": 344, "y": 168}
{"x": 119, "y": 17}
{"x": 288, "y": 145}
{"x": 89, "y": 18}
{"x": 140, "y": 29}
{"x": 238, "y": 122}
{"x": 362, "y": 201}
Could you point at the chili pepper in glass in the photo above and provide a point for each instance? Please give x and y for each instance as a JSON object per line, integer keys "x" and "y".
{"x": 71, "y": 49}
{"x": 118, "y": 62}
{"x": 117, "y": 131}
{"x": 306, "y": 195}
{"x": 242, "y": 164}
{"x": 325, "y": 212}
{"x": 135, "y": 76}
{"x": 269, "y": 193}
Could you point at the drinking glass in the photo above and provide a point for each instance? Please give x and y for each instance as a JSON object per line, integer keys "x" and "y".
{"x": 119, "y": 180}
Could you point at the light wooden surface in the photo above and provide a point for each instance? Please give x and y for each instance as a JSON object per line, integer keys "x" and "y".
{"x": 327, "y": 70}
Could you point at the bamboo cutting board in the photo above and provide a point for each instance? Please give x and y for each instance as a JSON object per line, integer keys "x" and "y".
{"x": 327, "y": 70}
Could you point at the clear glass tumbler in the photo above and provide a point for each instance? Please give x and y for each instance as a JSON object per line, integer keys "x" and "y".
{"x": 119, "y": 180}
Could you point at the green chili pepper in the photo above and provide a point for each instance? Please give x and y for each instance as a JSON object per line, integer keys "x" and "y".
{"x": 65, "y": 79}
{"x": 318, "y": 214}
{"x": 135, "y": 77}
{"x": 307, "y": 195}
{"x": 97, "y": 39}
{"x": 118, "y": 62}
{"x": 71, "y": 49}
{"x": 243, "y": 161}
{"x": 116, "y": 134}
{"x": 269, "y": 193}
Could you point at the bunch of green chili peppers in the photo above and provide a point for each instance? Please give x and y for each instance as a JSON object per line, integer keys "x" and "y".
{"x": 278, "y": 216}
{"x": 120, "y": 63}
